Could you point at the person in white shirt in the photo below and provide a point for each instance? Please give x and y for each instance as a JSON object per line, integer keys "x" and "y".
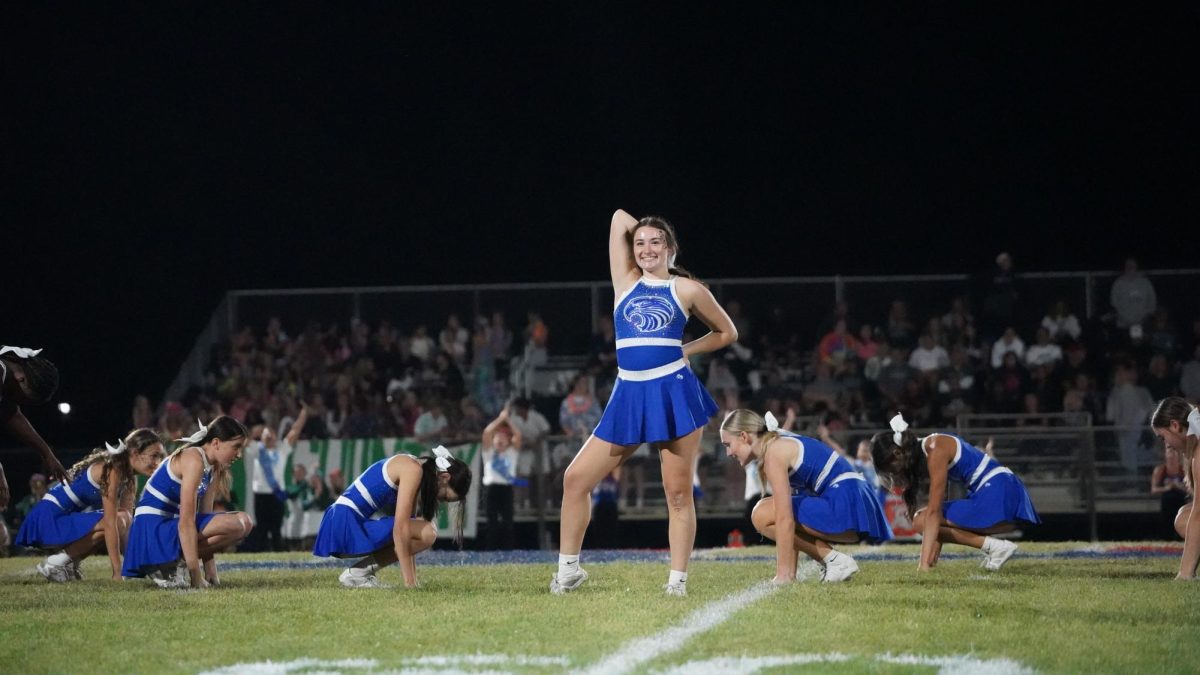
{"x": 268, "y": 460}
{"x": 1044, "y": 352}
{"x": 533, "y": 428}
{"x": 1009, "y": 342}
{"x": 430, "y": 424}
{"x": 1061, "y": 323}
{"x": 928, "y": 356}
{"x": 500, "y": 452}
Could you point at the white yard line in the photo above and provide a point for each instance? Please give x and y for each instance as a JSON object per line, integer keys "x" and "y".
{"x": 642, "y": 650}
{"x": 946, "y": 665}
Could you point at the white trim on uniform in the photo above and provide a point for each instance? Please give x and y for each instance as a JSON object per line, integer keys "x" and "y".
{"x": 344, "y": 501}
{"x": 825, "y": 471}
{"x": 92, "y": 480}
{"x": 167, "y": 465}
{"x": 151, "y": 511}
{"x": 648, "y": 342}
{"x": 161, "y": 497}
{"x": 957, "y": 446}
{"x": 678, "y": 302}
{"x": 983, "y": 465}
{"x": 652, "y": 373}
{"x": 71, "y": 493}
{"x": 362, "y": 490}
{"x": 848, "y": 475}
{"x": 51, "y": 498}
{"x": 989, "y": 475}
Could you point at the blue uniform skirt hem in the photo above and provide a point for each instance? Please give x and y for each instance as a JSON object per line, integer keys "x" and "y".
{"x": 845, "y": 506}
{"x": 662, "y": 409}
{"x": 154, "y": 542}
{"x": 49, "y": 526}
{"x": 345, "y": 534}
{"x": 1003, "y": 499}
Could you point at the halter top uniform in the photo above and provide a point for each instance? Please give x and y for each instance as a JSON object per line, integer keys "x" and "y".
{"x": 67, "y": 513}
{"x": 656, "y": 396}
{"x": 351, "y": 526}
{"x": 154, "y": 534}
{"x": 828, "y": 495}
{"x": 994, "y": 493}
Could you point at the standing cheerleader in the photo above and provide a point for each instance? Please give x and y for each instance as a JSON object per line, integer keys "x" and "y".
{"x": 656, "y": 398}
{"x": 174, "y": 528}
{"x": 67, "y": 517}
{"x": 414, "y": 486}
{"x": 1177, "y": 423}
{"x": 830, "y": 502}
{"x": 996, "y": 502}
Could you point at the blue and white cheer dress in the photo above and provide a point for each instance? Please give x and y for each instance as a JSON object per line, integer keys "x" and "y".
{"x": 994, "y": 493}
{"x": 656, "y": 396}
{"x": 67, "y": 513}
{"x": 154, "y": 534}
{"x": 828, "y": 495}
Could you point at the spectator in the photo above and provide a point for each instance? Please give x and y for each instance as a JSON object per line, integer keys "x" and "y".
{"x": 453, "y": 339}
{"x": 1000, "y": 298}
{"x": 1043, "y": 352}
{"x": 1132, "y": 296}
{"x": 1008, "y": 385}
{"x": 1061, "y": 323}
{"x": 420, "y": 345}
{"x": 837, "y": 346}
{"x": 449, "y": 377}
{"x": 500, "y": 340}
{"x": 1169, "y": 481}
{"x": 823, "y": 390}
{"x": 1129, "y": 407}
{"x": 1163, "y": 337}
{"x": 867, "y": 345}
{"x": 298, "y": 491}
{"x": 720, "y": 378}
{"x": 533, "y": 428}
{"x": 500, "y": 451}
{"x": 267, "y": 459}
{"x": 143, "y": 414}
{"x": 37, "y": 489}
{"x": 1010, "y": 342}
{"x": 929, "y": 357}
{"x": 899, "y": 330}
{"x": 362, "y": 422}
{"x": 1189, "y": 382}
{"x": 430, "y": 427}
{"x": 956, "y": 386}
{"x": 956, "y": 320}
{"x": 1160, "y": 379}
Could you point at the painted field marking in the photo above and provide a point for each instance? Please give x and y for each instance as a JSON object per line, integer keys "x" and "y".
{"x": 946, "y": 665}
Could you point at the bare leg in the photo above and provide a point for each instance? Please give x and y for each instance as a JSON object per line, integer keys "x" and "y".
{"x": 1181, "y": 520}
{"x": 950, "y": 533}
{"x": 422, "y": 539}
{"x": 678, "y": 459}
{"x": 813, "y": 543}
{"x": 223, "y": 531}
{"x": 596, "y": 459}
{"x": 83, "y": 546}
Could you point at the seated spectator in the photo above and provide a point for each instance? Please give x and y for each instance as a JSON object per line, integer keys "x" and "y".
{"x": 453, "y": 339}
{"x": 894, "y": 377}
{"x": 420, "y": 345}
{"x": 1189, "y": 381}
{"x": 1162, "y": 336}
{"x": 1007, "y": 385}
{"x": 956, "y": 386}
{"x": 1008, "y": 343}
{"x": 899, "y": 330}
{"x": 1044, "y": 393}
{"x": 823, "y": 389}
{"x": 1160, "y": 378}
{"x": 928, "y": 357}
{"x": 720, "y": 378}
{"x": 955, "y": 321}
{"x": 1043, "y": 352}
{"x": 837, "y": 346}
{"x": 1132, "y": 296}
{"x": 1061, "y": 323}
{"x": 867, "y": 344}
{"x": 430, "y": 427}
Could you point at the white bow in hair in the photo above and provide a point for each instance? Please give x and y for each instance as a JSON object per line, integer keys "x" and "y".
{"x": 772, "y": 423}
{"x": 1194, "y": 422}
{"x": 899, "y": 426}
{"x": 22, "y": 352}
{"x": 117, "y": 450}
{"x": 443, "y": 457}
{"x": 196, "y": 437}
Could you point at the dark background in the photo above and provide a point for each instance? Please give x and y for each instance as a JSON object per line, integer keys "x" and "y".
{"x": 154, "y": 158}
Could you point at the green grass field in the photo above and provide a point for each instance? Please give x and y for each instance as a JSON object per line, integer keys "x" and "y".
{"x": 1040, "y": 613}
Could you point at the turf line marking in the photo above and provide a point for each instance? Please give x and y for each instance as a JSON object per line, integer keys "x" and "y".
{"x": 284, "y": 667}
{"x": 642, "y": 650}
{"x": 946, "y": 665}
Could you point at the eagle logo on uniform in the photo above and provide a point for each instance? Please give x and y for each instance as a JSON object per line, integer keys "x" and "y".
{"x": 649, "y": 313}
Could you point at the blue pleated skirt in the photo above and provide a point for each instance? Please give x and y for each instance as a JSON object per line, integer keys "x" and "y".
{"x": 154, "y": 542}
{"x": 49, "y": 526}
{"x": 345, "y": 534}
{"x": 1002, "y": 499}
{"x": 662, "y": 409}
{"x": 842, "y": 507}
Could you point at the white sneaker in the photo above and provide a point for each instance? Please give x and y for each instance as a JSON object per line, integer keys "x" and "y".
{"x": 58, "y": 574}
{"x": 679, "y": 590}
{"x": 76, "y": 573}
{"x": 350, "y": 580}
{"x": 1002, "y": 550}
{"x": 839, "y": 569}
{"x": 177, "y": 578}
{"x": 567, "y": 584}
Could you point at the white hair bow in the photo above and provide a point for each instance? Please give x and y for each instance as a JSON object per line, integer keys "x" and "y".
{"x": 196, "y": 437}
{"x": 443, "y": 457}
{"x": 117, "y": 450}
{"x": 22, "y": 352}
{"x": 772, "y": 423}
{"x": 1194, "y": 422}
{"x": 899, "y": 426}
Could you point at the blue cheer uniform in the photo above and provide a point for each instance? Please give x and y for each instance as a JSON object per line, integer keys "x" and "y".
{"x": 154, "y": 534}
{"x": 351, "y": 526}
{"x": 828, "y": 495}
{"x": 656, "y": 396}
{"x": 67, "y": 513}
{"x": 994, "y": 493}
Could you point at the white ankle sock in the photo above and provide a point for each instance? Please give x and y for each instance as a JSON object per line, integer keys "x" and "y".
{"x": 677, "y": 577}
{"x": 568, "y": 564}
{"x": 361, "y": 571}
{"x": 61, "y": 559}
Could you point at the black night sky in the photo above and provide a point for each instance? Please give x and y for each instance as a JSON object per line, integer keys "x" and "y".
{"x": 155, "y": 157}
